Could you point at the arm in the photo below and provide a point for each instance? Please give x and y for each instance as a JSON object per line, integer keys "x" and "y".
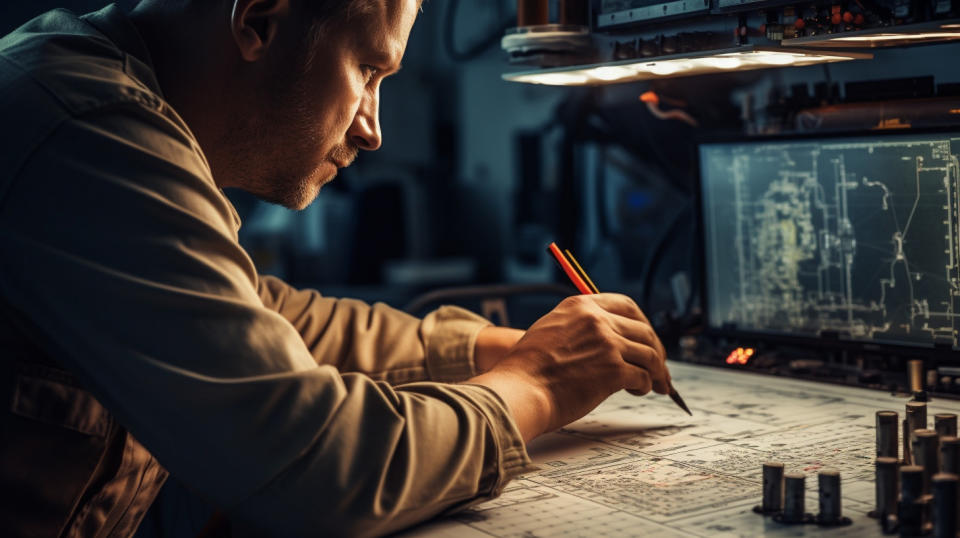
{"x": 493, "y": 344}
{"x": 129, "y": 267}
{"x": 381, "y": 341}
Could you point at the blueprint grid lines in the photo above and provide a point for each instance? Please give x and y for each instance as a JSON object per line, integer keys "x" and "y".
{"x": 639, "y": 467}
{"x": 852, "y": 238}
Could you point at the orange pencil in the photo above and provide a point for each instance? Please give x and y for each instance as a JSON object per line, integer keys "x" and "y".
{"x": 569, "y": 270}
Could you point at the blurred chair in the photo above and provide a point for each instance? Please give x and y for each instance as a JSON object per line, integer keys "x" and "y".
{"x": 509, "y": 305}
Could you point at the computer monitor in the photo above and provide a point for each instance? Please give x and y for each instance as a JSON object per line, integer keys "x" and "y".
{"x": 849, "y": 238}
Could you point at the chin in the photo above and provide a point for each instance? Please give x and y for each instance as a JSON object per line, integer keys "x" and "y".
{"x": 309, "y": 189}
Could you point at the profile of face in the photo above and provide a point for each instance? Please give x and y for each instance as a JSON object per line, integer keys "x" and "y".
{"x": 317, "y": 99}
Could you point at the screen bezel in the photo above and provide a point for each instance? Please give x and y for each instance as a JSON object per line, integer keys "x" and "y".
{"x": 760, "y": 337}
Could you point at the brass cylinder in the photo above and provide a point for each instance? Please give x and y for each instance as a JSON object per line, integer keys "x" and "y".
{"x": 926, "y": 454}
{"x": 945, "y": 424}
{"x": 533, "y": 12}
{"x": 794, "y": 508}
{"x": 945, "y": 505}
{"x": 911, "y": 509}
{"x": 887, "y": 484}
{"x": 772, "y": 487}
{"x": 915, "y": 375}
{"x": 887, "y": 427}
{"x": 950, "y": 455}
{"x": 829, "y": 496}
{"x": 916, "y": 418}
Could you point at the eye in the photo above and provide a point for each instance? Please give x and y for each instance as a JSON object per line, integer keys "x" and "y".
{"x": 369, "y": 71}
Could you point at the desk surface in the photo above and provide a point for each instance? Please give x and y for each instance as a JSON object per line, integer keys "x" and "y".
{"x": 641, "y": 467}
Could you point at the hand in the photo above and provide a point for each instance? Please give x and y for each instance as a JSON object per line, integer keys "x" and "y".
{"x": 570, "y": 360}
{"x": 492, "y": 344}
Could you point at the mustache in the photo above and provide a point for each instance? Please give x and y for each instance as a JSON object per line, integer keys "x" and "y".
{"x": 344, "y": 153}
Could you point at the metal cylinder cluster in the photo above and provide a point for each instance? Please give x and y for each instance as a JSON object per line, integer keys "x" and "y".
{"x": 919, "y": 492}
{"x": 784, "y": 496}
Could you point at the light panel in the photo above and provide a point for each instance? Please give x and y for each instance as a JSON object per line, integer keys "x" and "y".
{"x": 738, "y": 59}
{"x": 888, "y": 36}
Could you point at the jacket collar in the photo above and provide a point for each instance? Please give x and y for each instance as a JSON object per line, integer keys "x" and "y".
{"x": 114, "y": 24}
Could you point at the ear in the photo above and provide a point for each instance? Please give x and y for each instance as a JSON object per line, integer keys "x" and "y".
{"x": 254, "y": 25}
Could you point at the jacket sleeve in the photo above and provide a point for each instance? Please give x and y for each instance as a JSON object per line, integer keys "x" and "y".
{"x": 116, "y": 244}
{"x": 378, "y": 340}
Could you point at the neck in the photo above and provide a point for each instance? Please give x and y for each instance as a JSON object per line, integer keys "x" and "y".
{"x": 188, "y": 61}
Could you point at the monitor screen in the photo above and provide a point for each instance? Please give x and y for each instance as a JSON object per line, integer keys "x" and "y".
{"x": 854, "y": 237}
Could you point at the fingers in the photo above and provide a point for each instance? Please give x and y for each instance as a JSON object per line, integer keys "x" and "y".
{"x": 648, "y": 359}
{"x": 638, "y": 331}
{"x": 643, "y": 333}
{"x": 619, "y": 304}
{"x": 640, "y": 345}
{"x": 624, "y": 307}
{"x": 637, "y": 380}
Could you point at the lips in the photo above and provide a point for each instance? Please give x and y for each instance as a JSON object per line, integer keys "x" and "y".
{"x": 342, "y": 156}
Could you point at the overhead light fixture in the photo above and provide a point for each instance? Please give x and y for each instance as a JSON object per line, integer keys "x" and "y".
{"x": 887, "y": 36}
{"x": 741, "y": 58}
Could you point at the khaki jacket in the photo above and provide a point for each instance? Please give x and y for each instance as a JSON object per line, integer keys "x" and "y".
{"x": 136, "y": 337}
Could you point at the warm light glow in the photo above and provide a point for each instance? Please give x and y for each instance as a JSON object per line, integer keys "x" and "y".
{"x": 723, "y": 62}
{"x": 740, "y": 356}
{"x": 555, "y": 79}
{"x": 774, "y": 59}
{"x": 742, "y": 58}
{"x": 664, "y": 68}
{"x": 897, "y": 37}
{"x": 612, "y": 72}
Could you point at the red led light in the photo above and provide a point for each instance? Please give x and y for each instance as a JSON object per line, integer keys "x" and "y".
{"x": 740, "y": 356}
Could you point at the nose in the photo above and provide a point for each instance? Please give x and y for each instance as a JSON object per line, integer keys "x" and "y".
{"x": 364, "y": 132}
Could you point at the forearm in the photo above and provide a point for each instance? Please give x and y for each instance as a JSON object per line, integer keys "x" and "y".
{"x": 492, "y": 344}
{"x": 530, "y": 408}
{"x": 383, "y": 342}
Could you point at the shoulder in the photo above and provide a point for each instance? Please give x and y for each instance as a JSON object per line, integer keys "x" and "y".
{"x": 68, "y": 93}
{"x": 58, "y": 67}
{"x": 62, "y": 61}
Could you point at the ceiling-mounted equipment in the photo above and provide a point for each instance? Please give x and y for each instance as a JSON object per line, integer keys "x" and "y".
{"x": 887, "y": 36}
{"x": 741, "y": 58}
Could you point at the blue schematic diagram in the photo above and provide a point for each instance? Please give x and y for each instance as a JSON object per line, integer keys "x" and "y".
{"x": 852, "y": 237}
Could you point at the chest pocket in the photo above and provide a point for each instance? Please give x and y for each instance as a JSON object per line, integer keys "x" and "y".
{"x": 57, "y": 441}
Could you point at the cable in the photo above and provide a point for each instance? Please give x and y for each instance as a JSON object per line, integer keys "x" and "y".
{"x": 656, "y": 255}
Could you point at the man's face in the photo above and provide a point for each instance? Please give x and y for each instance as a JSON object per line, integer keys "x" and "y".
{"x": 320, "y": 103}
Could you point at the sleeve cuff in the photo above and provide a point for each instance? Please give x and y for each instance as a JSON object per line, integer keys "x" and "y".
{"x": 512, "y": 458}
{"x": 451, "y": 343}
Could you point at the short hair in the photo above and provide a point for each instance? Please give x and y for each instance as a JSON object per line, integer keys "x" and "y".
{"x": 325, "y": 11}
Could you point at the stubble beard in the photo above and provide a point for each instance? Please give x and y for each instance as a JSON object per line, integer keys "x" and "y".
{"x": 288, "y": 176}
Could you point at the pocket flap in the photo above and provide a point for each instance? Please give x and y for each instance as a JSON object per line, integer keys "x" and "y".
{"x": 61, "y": 404}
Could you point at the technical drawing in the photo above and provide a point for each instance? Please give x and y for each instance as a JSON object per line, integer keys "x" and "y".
{"x": 855, "y": 238}
{"x": 640, "y": 467}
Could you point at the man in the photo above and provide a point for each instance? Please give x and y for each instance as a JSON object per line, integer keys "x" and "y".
{"x": 137, "y": 338}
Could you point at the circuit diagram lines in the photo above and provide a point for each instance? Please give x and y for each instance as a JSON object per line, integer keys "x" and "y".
{"x": 854, "y": 237}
